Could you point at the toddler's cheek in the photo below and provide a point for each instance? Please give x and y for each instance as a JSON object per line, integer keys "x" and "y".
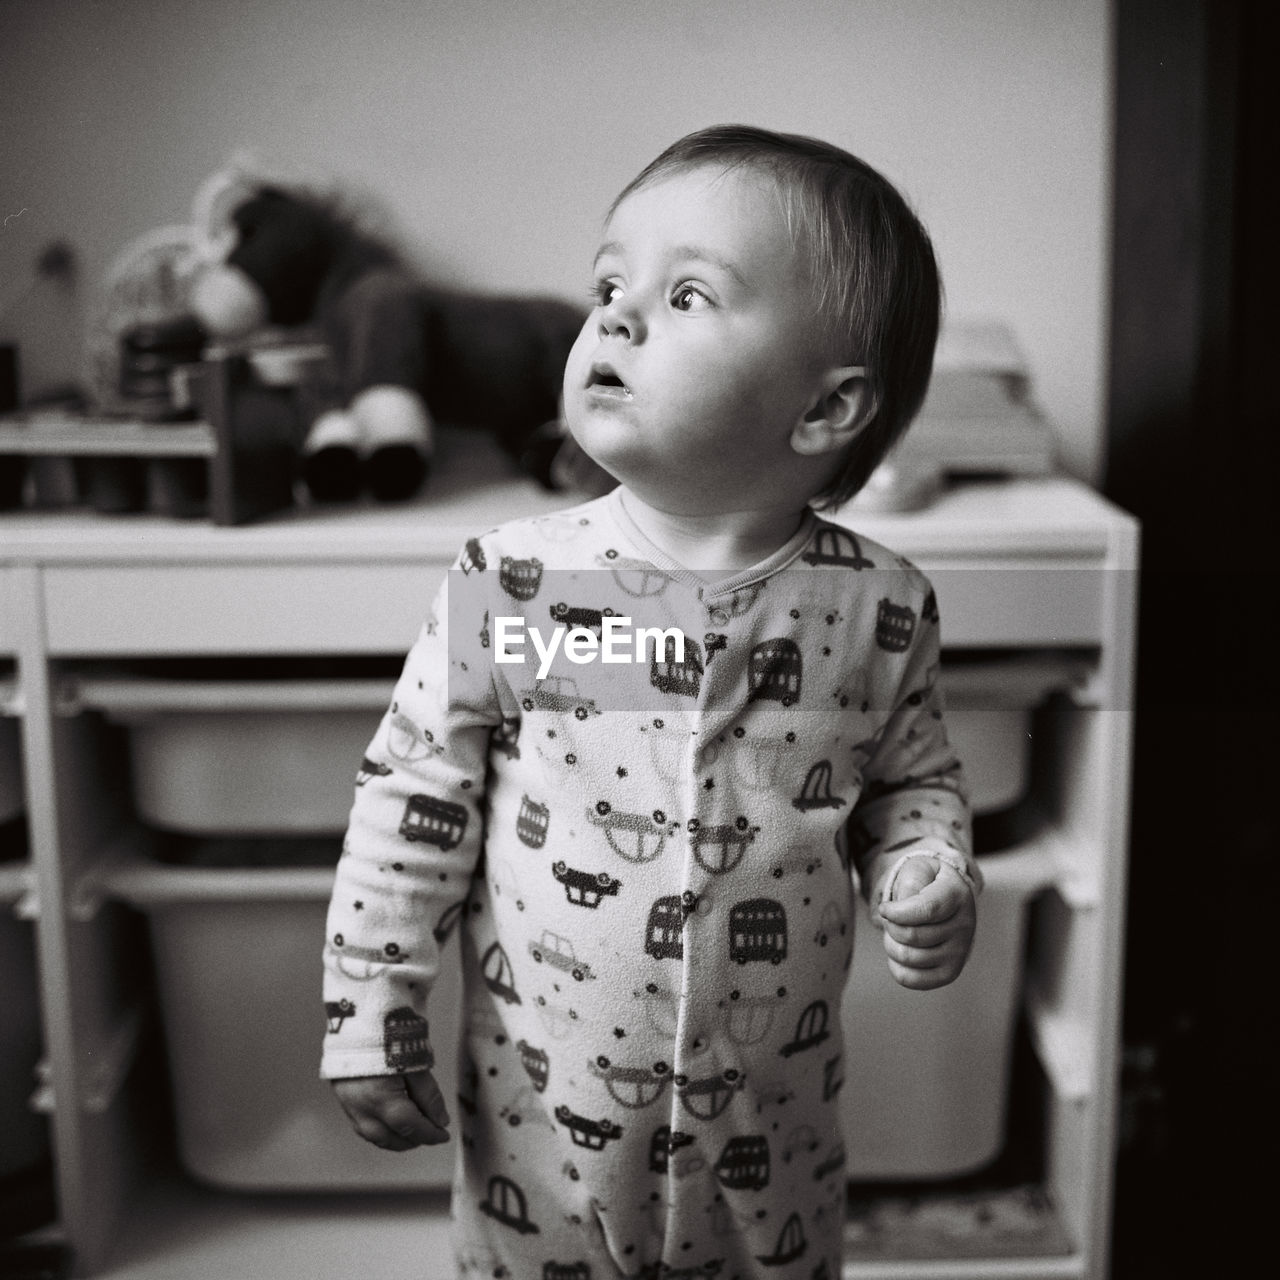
{"x": 576, "y": 367}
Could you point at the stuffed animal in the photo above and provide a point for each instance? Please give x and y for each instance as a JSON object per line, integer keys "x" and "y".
{"x": 403, "y": 354}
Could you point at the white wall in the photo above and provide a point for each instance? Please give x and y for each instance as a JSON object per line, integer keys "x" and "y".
{"x": 496, "y": 132}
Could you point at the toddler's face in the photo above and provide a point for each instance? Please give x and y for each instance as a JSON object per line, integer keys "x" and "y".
{"x": 700, "y": 355}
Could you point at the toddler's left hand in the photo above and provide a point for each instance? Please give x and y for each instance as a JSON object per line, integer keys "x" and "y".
{"x": 928, "y": 924}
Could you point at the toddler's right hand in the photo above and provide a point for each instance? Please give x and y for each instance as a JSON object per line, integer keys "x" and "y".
{"x": 397, "y": 1112}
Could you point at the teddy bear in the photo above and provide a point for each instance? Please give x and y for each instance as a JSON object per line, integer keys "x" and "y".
{"x": 403, "y": 354}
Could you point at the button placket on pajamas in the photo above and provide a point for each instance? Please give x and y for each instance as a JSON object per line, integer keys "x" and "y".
{"x": 698, "y": 1080}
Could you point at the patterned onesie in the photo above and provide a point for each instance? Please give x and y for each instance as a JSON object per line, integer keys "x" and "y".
{"x": 644, "y": 859}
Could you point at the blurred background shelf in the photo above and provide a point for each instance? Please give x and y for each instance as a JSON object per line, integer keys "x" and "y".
{"x": 38, "y": 435}
{"x": 236, "y": 465}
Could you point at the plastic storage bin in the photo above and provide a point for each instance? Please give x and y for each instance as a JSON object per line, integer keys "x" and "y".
{"x": 925, "y": 1073}
{"x": 288, "y": 768}
{"x": 248, "y": 773}
{"x": 239, "y": 990}
{"x": 241, "y": 754}
{"x": 989, "y": 704}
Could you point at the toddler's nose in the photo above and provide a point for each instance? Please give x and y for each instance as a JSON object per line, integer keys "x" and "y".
{"x": 621, "y": 319}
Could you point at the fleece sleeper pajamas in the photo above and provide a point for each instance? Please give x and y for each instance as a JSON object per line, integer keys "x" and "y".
{"x": 652, "y": 866}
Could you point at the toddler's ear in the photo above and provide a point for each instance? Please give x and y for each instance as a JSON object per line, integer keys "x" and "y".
{"x": 845, "y": 405}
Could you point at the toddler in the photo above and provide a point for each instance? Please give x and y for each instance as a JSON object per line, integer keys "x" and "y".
{"x": 643, "y": 750}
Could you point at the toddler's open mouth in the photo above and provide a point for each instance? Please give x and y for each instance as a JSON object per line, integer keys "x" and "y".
{"x": 605, "y": 380}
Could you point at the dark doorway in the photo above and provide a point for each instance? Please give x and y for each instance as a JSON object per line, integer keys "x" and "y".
{"x": 1194, "y": 452}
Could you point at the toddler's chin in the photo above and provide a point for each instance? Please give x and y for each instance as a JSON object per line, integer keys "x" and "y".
{"x": 602, "y": 442}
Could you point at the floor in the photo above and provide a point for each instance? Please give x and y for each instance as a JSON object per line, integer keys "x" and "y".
{"x": 181, "y": 1232}
{"x": 195, "y": 1235}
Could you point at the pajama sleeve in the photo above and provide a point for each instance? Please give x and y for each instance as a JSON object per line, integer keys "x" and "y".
{"x": 913, "y": 798}
{"x": 412, "y": 844}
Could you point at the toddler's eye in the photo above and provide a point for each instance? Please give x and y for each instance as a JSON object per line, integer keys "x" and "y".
{"x": 603, "y": 292}
{"x": 689, "y": 298}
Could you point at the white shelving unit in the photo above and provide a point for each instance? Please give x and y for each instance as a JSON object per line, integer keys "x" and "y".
{"x": 1036, "y": 565}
